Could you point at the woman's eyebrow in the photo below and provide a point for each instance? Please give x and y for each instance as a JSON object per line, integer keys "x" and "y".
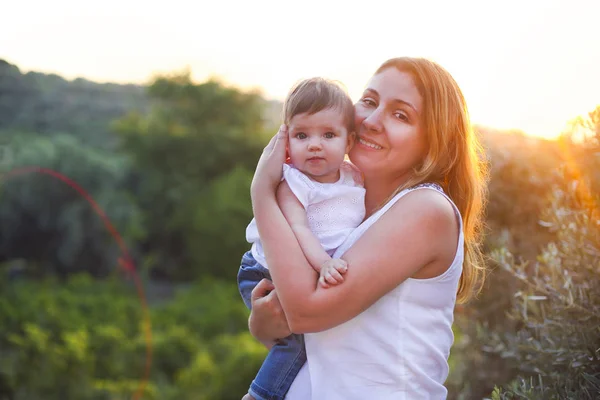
{"x": 374, "y": 92}
{"x": 406, "y": 103}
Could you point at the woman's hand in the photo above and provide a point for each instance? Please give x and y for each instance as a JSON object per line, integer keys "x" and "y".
{"x": 267, "y": 322}
{"x": 270, "y": 165}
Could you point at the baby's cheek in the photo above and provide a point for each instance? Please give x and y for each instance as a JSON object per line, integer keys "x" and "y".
{"x": 294, "y": 155}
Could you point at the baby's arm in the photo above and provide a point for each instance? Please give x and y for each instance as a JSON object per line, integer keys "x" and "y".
{"x": 330, "y": 270}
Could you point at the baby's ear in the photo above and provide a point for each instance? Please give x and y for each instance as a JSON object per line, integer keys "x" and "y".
{"x": 351, "y": 141}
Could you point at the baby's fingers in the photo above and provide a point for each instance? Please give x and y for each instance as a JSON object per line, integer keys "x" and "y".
{"x": 323, "y": 283}
{"x": 333, "y": 277}
{"x": 341, "y": 266}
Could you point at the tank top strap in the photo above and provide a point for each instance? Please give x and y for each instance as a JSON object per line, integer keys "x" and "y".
{"x": 426, "y": 185}
{"x": 377, "y": 214}
{"x": 430, "y": 185}
{"x": 402, "y": 193}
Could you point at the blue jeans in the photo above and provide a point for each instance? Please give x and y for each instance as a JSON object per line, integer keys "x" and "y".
{"x": 286, "y": 357}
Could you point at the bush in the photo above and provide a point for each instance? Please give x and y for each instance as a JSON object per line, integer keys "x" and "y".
{"x": 557, "y": 305}
{"x": 530, "y": 332}
{"x": 85, "y": 339}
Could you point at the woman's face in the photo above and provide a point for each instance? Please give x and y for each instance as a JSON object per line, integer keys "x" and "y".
{"x": 390, "y": 138}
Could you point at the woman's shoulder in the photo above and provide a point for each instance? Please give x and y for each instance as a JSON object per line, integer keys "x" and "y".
{"x": 431, "y": 205}
{"x": 434, "y": 191}
{"x": 428, "y": 205}
{"x": 433, "y": 221}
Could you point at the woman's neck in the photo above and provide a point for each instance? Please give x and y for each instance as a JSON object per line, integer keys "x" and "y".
{"x": 378, "y": 190}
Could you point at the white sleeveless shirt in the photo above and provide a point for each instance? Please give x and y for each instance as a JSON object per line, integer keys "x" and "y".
{"x": 333, "y": 210}
{"x": 396, "y": 349}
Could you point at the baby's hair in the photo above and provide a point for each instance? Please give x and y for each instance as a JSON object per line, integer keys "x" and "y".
{"x": 318, "y": 94}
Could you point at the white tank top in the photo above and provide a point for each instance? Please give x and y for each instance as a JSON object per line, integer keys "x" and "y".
{"x": 396, "y": 349}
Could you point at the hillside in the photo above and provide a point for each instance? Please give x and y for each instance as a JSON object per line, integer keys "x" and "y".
{"x": 47, "y": 103}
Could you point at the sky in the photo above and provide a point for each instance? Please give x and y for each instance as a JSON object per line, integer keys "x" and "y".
{"x": 524, "y": 65}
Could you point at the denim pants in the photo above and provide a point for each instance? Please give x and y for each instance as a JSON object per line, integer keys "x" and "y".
{"x": 286, "y": 357}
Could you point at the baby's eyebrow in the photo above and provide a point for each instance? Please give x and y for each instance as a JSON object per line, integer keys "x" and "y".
{"x": 324, "y": 128}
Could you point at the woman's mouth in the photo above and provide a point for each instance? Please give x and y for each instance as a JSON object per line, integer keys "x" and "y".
{"x": 369, "y": 144}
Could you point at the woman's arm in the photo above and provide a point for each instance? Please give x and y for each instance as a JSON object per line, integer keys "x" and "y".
{"x": 417, "y": 235}
{"x": 417, "y": 238}
{"x": 267, "y": 322}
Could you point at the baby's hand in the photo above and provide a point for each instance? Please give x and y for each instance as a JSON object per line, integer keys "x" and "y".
{"x": 332, "y": 272}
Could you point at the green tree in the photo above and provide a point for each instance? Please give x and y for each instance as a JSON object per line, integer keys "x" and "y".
{"x": 85, "y": 339}
{"x": 48, "y": 104}
{"x": 199, "y": 144}
{"x": 50, "y": 224}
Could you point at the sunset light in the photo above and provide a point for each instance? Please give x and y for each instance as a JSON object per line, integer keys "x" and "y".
{"x": 529, "y": 66}
{"x": 164, "y": 236}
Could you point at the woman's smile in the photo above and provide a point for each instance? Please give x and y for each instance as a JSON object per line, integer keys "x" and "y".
{"x": 369, "y": 144}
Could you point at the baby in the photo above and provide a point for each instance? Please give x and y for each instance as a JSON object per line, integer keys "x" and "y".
{"x": 320, "y": 119}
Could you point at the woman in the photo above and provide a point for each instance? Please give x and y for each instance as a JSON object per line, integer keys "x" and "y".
{"x": 385, "y": 332}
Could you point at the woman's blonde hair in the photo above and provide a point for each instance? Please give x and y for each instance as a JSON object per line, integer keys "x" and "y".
{"x": 455, "y": 159}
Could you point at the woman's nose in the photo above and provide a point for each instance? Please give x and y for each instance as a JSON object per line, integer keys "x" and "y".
{"x": 373, "y": 122}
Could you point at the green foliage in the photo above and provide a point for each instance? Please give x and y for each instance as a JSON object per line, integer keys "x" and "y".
{"x": 518, "y": 188}
{"x": 193, "y": 157}
{"x": 50, "y": 333}
{"x": 176, "y": 184}
{"x": 215, "y": 230}
{"x": 181, "y": 146}
{"x": 171, "y": 164}
{"x": 84, "y": 339}
{"x": 47, "y": 221}
{"x": 223, "y": 372}
{"x": 557, "y": 304}
{"x": 537, "y": 321}
{"x": 47, "y": 104}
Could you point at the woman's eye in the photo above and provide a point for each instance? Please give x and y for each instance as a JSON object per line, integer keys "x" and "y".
{"x": 368, "y": 102}
{"x": 401, "y": 116}
{"x": 329, "y": 135}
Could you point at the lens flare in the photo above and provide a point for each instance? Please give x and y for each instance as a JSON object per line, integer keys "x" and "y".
{"x": 124, "y": 261}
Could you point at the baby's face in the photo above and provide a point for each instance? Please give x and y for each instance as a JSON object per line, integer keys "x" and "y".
{"x": 318, "y": 144}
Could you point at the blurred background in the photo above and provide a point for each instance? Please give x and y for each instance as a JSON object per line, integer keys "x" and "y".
{"x": 160, "y": 112}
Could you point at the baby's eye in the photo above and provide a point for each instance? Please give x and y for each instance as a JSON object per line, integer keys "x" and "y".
{"x": 301, "y": 135}
{"x": 329, "y": 135}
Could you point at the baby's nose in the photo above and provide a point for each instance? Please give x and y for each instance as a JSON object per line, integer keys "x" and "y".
{"x": 314, "y": 145}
